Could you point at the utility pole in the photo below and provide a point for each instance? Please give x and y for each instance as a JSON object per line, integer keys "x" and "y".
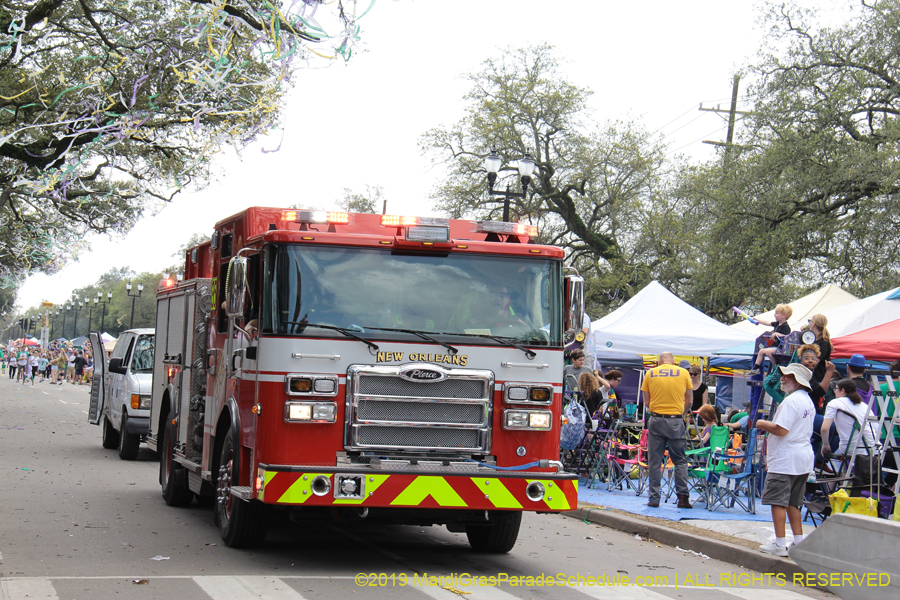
{"x": 732, "y": 116}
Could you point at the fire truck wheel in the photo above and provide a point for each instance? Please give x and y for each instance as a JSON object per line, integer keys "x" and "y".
{"x": 242, "y": 523}
{"x": 110, "y": 435}
{"x": 172, "y": 476}
{"x": 129, "y": 443}
{"x": 499, "y": 536}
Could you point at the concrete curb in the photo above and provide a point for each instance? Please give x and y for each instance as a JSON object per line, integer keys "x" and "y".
{"x": 736, "y": 555}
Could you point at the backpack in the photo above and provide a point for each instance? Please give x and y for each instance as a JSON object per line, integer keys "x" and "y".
{"x": 572, "y": 431}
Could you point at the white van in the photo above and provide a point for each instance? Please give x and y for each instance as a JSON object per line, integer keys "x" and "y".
{"x": 120, "y": 392}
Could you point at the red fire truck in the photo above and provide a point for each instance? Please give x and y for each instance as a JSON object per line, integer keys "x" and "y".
{"x": 357, "y": 366}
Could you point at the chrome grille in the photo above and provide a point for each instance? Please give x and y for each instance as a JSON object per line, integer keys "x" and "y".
{"x": 419, "y": 437}
{"x": 421, "y": 412}
{"x": 388, "y": 412}
{"x": 370, "y": 385}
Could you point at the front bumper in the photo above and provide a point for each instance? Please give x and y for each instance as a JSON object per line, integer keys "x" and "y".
{"x": 138, "y": 425}
{"x": 494, "y": 490}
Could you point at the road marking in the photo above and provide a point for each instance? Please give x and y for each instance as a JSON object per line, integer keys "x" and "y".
{"x": 62, "y": 401}
{"x": 27, "y": 587}
{"x": 43, "y": 392}
{"x": 759, "y": 593}
{"x": 246, "y": 588}
{"x": 619, "y": 592}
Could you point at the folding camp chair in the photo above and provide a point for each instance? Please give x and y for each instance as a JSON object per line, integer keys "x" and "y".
{"x": 623, "y": 459}
{"x": 698, "y": 462}
{"x": 725, "y": 488}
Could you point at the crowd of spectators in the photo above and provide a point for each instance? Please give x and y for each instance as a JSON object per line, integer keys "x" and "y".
{"x": 58, "y": 364}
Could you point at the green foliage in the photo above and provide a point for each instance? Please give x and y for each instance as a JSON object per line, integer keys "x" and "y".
{"x": 597, "y": 190}
{"x": 110, "y": 107}
{"x": 812, "y": 195}
{"x": 370, "y": 202}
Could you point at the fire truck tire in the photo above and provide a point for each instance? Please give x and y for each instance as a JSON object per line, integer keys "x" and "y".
{"x": 242, "y": 523}
{"x": 110, "y": 435}
{"x": 129, "y": 443}
{"x": 498, "y": 537}
{"x": 172, "y": 476}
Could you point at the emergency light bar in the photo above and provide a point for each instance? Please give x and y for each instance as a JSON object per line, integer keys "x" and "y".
{"x": 420, "y": 229}
{"x": 504, "y": 228}
{"x": 401, "y": 221}
{"x": 315, "y": 216}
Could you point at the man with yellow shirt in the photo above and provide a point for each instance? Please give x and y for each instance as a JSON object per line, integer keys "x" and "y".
{"x": 667, "y": 392}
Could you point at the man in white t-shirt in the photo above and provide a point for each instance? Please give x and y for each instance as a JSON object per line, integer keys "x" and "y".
{"x": 789, "y": 456}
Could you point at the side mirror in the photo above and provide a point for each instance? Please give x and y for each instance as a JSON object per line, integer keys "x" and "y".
{"x": 236, "y": 286}
{"x": 116, "y": 366}
{"x": 574, "y": 289}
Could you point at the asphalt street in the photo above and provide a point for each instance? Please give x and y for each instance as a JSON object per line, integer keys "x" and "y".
{"x": 77, "y": 522}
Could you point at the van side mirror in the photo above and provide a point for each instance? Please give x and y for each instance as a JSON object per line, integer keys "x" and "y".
{"x": 574, "y": 290}
{"x": 115, "y": 366}
{"x": 236, "y": 286}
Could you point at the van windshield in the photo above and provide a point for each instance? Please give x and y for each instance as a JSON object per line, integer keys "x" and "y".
{"x": 142, "y": 358}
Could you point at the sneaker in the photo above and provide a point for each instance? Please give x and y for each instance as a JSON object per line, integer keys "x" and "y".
{"x": 753, "y": 372}
{"x": 773, "y": 548}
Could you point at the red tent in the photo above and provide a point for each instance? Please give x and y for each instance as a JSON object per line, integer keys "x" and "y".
{"x": 27, "y": 342}
{"x": 876, "y": 343}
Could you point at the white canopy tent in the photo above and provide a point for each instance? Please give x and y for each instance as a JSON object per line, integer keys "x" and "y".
{"x": 820, "y": 301}
{"x": 863, "y": 314}
{"x": 655, "y": 320}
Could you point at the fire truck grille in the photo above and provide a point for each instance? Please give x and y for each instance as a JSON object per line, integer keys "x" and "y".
{"x": 421, "y": 412}
{"x": 371, "y": 385}
{"x": 390, "y": 413}
{"x": 419, "y": 437}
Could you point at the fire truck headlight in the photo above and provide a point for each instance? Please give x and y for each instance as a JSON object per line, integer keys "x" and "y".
{"x": 299, "y": 412}
{"x": 324, "y": 412}
{"x": 517, "y": 393}
{"x": 310, "y": 412}
{"x": 537, "y": 420}
{"x": 528, "y": 393}
{"x": 324, "y": 386}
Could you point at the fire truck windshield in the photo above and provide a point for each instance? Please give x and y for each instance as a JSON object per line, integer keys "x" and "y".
{"x": 442, "y": 295}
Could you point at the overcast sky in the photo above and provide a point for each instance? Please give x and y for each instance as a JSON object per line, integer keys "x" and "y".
{"x": 359, "y": 123}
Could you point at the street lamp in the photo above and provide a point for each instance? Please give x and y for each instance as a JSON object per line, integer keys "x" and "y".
{"x": 75, "y": 309}
{"x": 90, "y": 307}
{"x": 99, "y": 299}
{"x": 65, "y": 312}
{"x": 140, "y": 288}
{"x": 492, "y": 163}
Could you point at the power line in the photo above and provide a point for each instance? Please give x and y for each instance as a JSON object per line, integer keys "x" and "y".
{"x": 716, "y": 130}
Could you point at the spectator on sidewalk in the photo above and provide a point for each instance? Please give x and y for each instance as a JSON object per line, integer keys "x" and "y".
{"x": 856, "y": 371}
{"x": 846, "y": 410}
{"x": 667, "y": 394}
{"x": 577, "y": 367}
{"x": 70, "y": 366}
{"x": 12, "y": 364}
{"x": 79, "y": 368}
{"x": 789, "y": 456}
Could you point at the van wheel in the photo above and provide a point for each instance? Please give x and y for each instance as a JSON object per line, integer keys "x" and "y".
{"x": 172, "y": 476}
{"x": 497, "y": 537}
{"x": 242, "y": 523}
{"x": 128, "y": 442}
{"x": 110, "y": 435}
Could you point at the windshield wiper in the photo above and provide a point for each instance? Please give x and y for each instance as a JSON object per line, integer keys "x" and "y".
{"x": 421, "y": 334}
{"x": 529, "y": 353}
{"x": 343, "y": 330}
